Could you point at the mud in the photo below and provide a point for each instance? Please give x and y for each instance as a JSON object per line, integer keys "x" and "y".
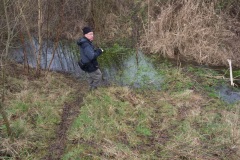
{"x": 69, "y": 113}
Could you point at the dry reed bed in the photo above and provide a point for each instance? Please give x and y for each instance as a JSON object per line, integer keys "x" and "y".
{"x": 196, "y": 32}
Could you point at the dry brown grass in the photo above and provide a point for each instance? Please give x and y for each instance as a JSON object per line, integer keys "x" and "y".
{"x": 193, "y": 30}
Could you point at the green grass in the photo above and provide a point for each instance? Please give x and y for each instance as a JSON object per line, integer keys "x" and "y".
{"x": 107, "y": 116}
{"x": 185, "y": 120}
{"x": 34, "y": 110}
{"x": 181, "y": 125}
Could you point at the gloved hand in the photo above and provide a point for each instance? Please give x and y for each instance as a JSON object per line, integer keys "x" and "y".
{"x": 99, "y": 50}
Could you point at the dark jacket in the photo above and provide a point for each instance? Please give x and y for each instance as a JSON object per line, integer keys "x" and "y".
{"x": 88, "y": 55}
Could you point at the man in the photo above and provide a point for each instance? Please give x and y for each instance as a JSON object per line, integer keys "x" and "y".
{"x": 88, "y": 56}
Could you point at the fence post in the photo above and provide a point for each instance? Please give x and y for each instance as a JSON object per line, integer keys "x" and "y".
{"x": 230, "y": 67}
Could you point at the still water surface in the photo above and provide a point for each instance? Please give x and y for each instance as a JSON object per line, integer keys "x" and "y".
{"x": 136, "y": 71}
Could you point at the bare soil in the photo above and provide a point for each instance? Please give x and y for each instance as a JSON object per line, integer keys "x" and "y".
{"x": 57, "y": 146}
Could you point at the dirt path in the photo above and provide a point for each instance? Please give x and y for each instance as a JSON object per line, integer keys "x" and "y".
{"x": 57, "y": 147}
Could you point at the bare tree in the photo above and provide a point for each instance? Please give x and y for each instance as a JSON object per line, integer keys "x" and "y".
{"x": 10, "y": 34}
{"x": 58, "y": 32}
{"x": 21, "y": 6}
{"x": 40, "y": 22}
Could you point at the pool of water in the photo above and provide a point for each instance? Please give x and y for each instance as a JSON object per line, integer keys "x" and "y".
{"x": 137, "y": 70}
{"x": 228, "y": 94}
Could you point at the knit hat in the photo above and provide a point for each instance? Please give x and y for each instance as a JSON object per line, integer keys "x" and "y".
{"x": 86, "y": 30}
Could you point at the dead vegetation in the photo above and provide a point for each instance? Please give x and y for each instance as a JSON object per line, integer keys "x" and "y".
{"x": 206, "y": 32}
{"x": 195, "y": 31}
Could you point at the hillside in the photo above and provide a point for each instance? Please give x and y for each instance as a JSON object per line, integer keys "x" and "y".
{"x": 54, "y": 117}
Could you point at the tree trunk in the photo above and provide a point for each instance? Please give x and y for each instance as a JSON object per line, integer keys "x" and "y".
{"x": 26, "y": 26}
{"x": 26, "y": 65}
{"x": 3, "y": 60}
{"x": 58, "y": 33}
{"x": 40, "y": 22}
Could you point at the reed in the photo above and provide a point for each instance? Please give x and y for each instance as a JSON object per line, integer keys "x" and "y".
{"x": 195, "y": 31}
